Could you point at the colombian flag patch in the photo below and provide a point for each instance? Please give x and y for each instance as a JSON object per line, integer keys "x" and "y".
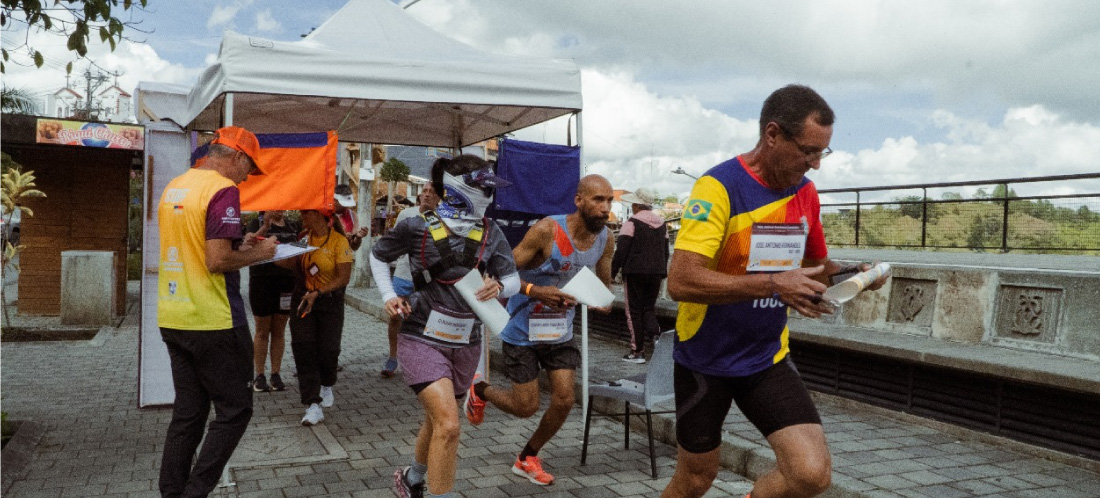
{"x": 697, "y": 210}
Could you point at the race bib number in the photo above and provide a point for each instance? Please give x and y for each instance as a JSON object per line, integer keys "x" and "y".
{"x": 449, "y": 326}
{"x": 776, "y": 247}
{"x": 284, "y": 301}
{"x": 543, "y": 327}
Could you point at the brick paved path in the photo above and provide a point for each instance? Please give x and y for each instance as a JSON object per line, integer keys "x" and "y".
{"x": 98, "y": 443}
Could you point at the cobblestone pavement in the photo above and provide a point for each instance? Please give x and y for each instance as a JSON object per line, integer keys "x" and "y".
{"x": 97, "y": 442}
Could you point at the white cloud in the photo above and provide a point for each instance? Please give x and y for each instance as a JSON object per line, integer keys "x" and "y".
{"x": 1029, "y": 141}
{"x": 1011, "y": 53}
{"x": 222, "y": 15}
{"x": 134, "y": 62}
{"x": 266, "y": 23}
{"x": 636, "y": 138}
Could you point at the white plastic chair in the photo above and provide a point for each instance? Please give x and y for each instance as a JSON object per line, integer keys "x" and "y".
{"x": 646, "y": 390}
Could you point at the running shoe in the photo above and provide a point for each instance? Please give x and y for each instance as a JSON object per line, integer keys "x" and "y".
{"x": 635, "y": 357}
{"x": 474, "y": 406}
{"x": 260, "y": 384}
{"x": 314, "y": 415}
{"x": 277, "y": 383}
{"x": 390, "y": 367}
{"x": 326, "y": 397}
{"x": 403, "y": 488}
{"x": 531, "y": 468}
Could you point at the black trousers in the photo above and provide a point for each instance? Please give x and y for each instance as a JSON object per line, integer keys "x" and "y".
{"x": 208, "y": 367}
{"x": 315, "y": 342}
{"x": 641, "y": 291}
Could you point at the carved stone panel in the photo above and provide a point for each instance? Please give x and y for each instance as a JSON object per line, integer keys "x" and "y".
{"x": 912, "y": 302}
{"x": 1028, "y": 313}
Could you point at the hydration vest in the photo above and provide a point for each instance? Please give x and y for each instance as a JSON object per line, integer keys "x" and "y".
{"x": 469, "y": 257}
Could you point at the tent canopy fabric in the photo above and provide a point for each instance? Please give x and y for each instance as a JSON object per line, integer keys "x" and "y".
{"x": 375, "y": 74}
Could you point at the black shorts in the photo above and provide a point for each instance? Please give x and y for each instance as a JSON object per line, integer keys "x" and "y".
{"x": 772, "y": 399}
{"x": 522, "y": 363}
{"x": 267, "y": 295}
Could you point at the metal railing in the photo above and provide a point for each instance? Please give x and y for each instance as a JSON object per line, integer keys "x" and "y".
{"x": 1001, "y": 221}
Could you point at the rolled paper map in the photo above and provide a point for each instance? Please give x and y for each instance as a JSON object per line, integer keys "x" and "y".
{"x": 848, "y": 289}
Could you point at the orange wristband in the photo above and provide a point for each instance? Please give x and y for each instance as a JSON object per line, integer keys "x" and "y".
{"x": 527, "y": 290}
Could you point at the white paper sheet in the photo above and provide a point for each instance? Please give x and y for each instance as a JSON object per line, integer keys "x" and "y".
{"x": 283, "y": 251}
{"x": 589, "y": 289}
{"x": 846, "y": 290}
{"x": 490, "y": 312}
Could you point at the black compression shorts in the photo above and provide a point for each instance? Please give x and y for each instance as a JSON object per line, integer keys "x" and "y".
{"x": 772, "y": 399}
{"x": 522, "y": 363}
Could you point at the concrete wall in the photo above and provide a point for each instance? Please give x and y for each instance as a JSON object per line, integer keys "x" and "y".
{"x": 1048, "y": 310}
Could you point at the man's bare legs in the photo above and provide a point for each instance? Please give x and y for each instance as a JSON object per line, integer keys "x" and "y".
{"x": 803, "y": 467}
{"x": 522, "y": 400}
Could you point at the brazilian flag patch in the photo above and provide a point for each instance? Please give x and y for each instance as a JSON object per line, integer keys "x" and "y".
{"x": 697, "y": 210}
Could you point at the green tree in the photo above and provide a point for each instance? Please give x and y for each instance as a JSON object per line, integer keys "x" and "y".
{"x": 984, "y": 232}
{"x": 999, "y": 192}
{"x": 17, "y": 101}
{"x": 393, "y": 170}
{"x": 1084, "y": 214}
{"x": 910, "y": 205}
{"x": 15, "y": 185}
{"x": 75, "y": 20}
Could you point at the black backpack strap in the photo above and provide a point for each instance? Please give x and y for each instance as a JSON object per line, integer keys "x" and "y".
{"x": 448, "y": 258}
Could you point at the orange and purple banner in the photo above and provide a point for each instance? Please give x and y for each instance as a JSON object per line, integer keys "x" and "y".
{"x": 299, "y": 172}
{"x": 86, "y": 134}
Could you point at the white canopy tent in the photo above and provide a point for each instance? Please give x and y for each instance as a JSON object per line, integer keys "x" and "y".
{"x": 376, "y": 75}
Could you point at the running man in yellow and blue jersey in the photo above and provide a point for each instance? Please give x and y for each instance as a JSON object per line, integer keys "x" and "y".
{"x": 750, "y": 248}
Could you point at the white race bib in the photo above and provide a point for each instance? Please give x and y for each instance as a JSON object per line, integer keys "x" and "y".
{"x": 284, "y": 301}
{"x": 449, "y": 326}
{"x": 544, "y": 327}
{"x": 776, "y": 247}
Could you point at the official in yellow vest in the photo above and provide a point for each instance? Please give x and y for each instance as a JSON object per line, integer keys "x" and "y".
{"x": 201, "y": 313}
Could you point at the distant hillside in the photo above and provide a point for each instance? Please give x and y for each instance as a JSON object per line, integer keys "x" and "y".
{"x": 1033, "y": 225}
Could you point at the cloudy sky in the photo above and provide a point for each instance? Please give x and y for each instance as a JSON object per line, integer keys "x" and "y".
{"x": 928, "y": 91}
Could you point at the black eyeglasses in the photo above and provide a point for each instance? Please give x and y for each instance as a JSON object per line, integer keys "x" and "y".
{"x": 810, "y": 152}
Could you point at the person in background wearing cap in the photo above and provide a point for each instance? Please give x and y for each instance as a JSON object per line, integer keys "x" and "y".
{"x": 201, "y": 314}
{"x": 642, "y": 255}
{"x": 440, "y": 342}
{"x": 317, "y": 309}
{"x": 402, "y": 275}
{"x": 539, "y": 334}
{"x": 347, "y": 218}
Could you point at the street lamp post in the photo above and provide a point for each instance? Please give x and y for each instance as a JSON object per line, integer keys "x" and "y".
{"x": 680, "y": 171}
